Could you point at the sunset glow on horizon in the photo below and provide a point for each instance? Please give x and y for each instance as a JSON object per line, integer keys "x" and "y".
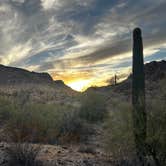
{"x": 80, "y": 85}
{"x": 82, "y": 42}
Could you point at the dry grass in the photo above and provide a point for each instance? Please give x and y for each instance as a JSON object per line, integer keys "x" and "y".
{"x": 23, "y": 154}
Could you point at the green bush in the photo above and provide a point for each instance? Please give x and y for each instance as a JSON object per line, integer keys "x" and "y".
{"x": 118, "y": 132}
{"x": 93, "y": 107}
{"x": 33, "y": 124}
{"x": 156, "y": 131}
{"x": 48, "y": 123}
{"x": 72, "y": 128}
{"x": 6, "y": 109}
{"x": 44, "y": 123}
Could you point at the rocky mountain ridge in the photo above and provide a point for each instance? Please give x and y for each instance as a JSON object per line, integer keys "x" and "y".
{"x": 154, "y": 71}
{"x": 12, "y": 75}
{"x": 35, "y": 87}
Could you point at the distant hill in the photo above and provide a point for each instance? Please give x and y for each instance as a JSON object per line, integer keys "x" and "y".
{"x": 32, "y": 86}
{"x": 41, "y": 88}
{"x": 12, "y": 75}
{"x": 155, "y": 72}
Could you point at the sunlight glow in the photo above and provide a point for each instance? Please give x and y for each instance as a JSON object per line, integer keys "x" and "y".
{"x": 80, "y": 85}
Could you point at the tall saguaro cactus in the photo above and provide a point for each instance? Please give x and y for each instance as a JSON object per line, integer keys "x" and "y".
{"x": 138, "y": 95}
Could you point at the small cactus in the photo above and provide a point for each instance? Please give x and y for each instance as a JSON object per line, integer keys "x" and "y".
{"x": 138, "y": 95}
{"x": 115, "y": 81}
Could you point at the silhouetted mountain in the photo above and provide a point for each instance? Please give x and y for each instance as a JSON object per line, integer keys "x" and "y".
{"x": 59, "y": 83}
{"x": 34, "y": 87}
{"x": 154, "y": 72}
{"x": 12, "y": 75}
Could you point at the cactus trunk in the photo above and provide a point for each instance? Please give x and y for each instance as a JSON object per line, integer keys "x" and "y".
{"x": 138, "y": 95}
{"x": 115, "y": 81}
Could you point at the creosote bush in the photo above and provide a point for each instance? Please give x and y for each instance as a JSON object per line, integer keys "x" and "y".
{"x": 156, "y": 131}
{"x": 93, "y": 107}
{"x": 6, "y": 108}
{"x": 45, "y": 123}
{"x": 118, "y": 133}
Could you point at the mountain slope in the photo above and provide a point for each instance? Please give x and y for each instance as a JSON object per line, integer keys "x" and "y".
{"x": 12, "y": 75}
{"x": 35, "y": 87}
{"x": 155, "y": 75}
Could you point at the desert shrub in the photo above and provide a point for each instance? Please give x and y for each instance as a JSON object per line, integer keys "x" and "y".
{"x": 45, "y": 123}
{"x": 23, "y": 154}
{"x": 93, "y": 107}
{"x": 118, "y": 132}
{"x": 28, "y": 124}
{"x": 6, "y": 109}
{"x": 118, "y": 136}
{"x": 72, "y": 128}
{"x": 156, "y": 130}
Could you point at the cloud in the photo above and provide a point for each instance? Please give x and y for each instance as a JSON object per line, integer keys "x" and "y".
{"x": 65, "y": 36}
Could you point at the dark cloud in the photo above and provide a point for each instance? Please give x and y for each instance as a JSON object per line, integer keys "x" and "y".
{"x": 112, "y": 50}
{"x": 76, "y": 34}
{"x": 27, "y": 7}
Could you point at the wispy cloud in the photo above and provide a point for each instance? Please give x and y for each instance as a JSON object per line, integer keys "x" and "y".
{"x": 75, "y": 38}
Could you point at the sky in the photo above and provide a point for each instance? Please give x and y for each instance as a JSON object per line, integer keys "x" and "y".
{"x": 82, "y": 42}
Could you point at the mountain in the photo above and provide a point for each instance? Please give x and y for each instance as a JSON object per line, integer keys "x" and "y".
{"x": 12, "y": 75}
{"x": 33, "y": 87}
{"x": 155, "y": 75}
{"x": 41, "y": 88}
{"x": 155, "y": 70}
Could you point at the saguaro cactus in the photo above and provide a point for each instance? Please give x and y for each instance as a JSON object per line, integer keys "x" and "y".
{"x": 138, "y": 95}
{"x": 115, "y": 81}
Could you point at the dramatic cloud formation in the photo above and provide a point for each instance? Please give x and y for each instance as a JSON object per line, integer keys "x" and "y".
{"x": 78, "y": 40}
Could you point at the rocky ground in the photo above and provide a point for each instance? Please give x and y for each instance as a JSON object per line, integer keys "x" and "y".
{"x": 53, "y": 155}
{"x": 90, "y": 153}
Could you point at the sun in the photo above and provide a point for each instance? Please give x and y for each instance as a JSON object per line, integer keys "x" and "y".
{"x": 80, "y": 85}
